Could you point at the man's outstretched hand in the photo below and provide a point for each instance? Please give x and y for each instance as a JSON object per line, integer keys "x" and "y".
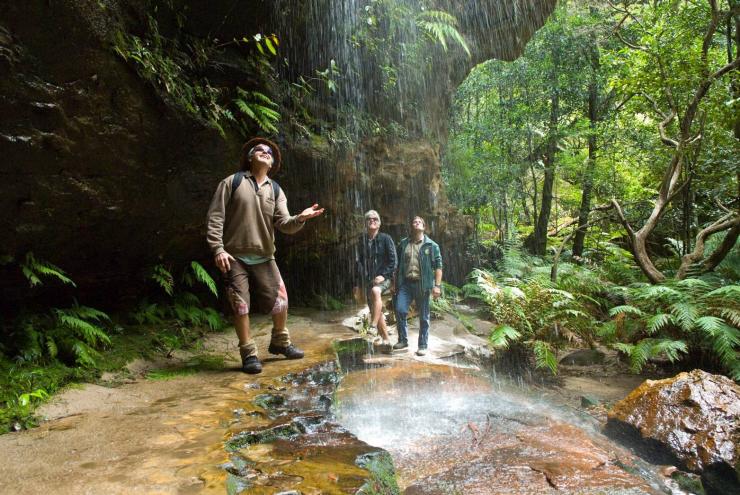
{"x": 223, "y": 261}
{"x": 311, "y": 212}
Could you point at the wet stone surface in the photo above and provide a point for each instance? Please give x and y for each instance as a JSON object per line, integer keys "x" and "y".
{"x": 450, "y": 431}
{"x": 300, "y": 448}
{"x": 691, "y": 420}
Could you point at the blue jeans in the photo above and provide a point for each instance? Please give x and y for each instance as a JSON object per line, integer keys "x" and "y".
{"x": 411, "y": 291}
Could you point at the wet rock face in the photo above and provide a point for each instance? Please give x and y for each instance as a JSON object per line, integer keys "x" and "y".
{"x": 695, "y": 416}
{"x": 103, "y": 176}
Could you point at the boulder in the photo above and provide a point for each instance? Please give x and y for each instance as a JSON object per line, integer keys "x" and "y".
{"x": 692, "y": 419}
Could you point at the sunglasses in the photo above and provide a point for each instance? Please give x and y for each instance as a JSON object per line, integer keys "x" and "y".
{"x": 263, "y": 149}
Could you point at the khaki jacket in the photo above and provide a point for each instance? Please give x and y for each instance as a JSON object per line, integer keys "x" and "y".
{"x": 245, "y": 224}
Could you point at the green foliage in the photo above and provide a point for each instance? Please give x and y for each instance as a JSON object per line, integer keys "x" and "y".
{"x": 259, "y": 108}
{"x": 533, "y": 312}
{"x": 158, "y": 60}
{"x": 181, "y": 305}
{"x": 690, "y": 317}
{"x": 440, "y": 26}
{"x": 176, "y": 68}
{"x": 34, "y": 270}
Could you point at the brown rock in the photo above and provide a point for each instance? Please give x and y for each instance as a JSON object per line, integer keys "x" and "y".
{"x": 694, "y": 417}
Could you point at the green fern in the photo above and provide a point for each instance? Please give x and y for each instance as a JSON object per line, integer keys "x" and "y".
{"x": 201, "y": 275}
{"x": 258, "y": 107}
{"x": 544, "y": 357}
{"x": 440, "y": 26}
{"x": 34, "y": 269}
{"x": 163, "y": 278}
{"x": 625, "y": 308}
{"x": 502, "y": 335}
{"x": 689, "y": 315}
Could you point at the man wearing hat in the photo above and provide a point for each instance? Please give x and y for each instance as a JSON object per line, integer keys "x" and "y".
{"x": 244, "y": 213}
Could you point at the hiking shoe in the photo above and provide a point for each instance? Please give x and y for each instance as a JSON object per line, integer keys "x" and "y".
{"x": 421, "y": 351}
{"x": 289, "y": 351}
{"x": 400, "y": 345}
{"x": 251, "y": 365}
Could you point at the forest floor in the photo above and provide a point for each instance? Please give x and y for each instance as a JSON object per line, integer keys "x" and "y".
{"x": 159, "y": 426}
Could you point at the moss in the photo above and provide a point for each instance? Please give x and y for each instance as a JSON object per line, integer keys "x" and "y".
{"x": 269, "y": 401}
{"x": 382, "y": 479}
{"x": 269, "y": 435}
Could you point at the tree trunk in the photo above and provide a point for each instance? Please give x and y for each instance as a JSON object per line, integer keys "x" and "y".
{"x": 539, "y": 239}
{"x": 588, "y": 175}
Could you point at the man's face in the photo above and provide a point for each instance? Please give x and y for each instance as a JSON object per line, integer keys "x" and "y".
{"x": 417, "y": 225}
{"x": 262, "y": 154}
{"x": 372, "y": 223}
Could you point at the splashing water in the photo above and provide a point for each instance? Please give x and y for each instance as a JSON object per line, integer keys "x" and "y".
{"x": 448, "y": 429}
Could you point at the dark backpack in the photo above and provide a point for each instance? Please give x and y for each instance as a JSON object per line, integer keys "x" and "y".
{"x": 239, "y": 177}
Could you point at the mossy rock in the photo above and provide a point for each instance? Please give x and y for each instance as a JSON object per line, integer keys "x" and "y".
{"x": 269, "y": 435}
{"x": 382, "y": 479}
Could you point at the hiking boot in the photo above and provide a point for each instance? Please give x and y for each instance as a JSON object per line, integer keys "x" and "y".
{"x": 290, "y": 351}
{"x": 251, "y": 365}
{"x": 400, "y": 345}
{"x": 421, "y": 351}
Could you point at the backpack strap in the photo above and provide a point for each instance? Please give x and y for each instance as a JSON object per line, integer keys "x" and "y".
{"x": 275, "y": 190}
{"x": 238, "y": 178}
{"x": 236, "y": 181}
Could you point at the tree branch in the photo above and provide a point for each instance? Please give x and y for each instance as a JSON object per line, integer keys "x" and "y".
{"x": 728, "y": 221}
{"x": 623, "y": 219}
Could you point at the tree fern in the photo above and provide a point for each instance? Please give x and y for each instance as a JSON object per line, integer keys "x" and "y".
{"x": 684, "y": 314}
{"x": 658, "y": 321}
{"x": 704, "y": 317}
{"x": 625, "y": 308}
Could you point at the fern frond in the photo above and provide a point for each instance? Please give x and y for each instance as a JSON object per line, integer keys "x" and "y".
{"x": 684, "y": 314}
{"x": 607, "y": 330}
{"x": 725, "y": 341}
{"x": 657, "y": 292}
{"x": 441, "y": 25}
{"x": 731, "y": 292}
{"x": 658, "y": 321}
{"x": 51, "y": 347}
{"x": 91, "y": 334}
{"x": 163, "y": 278}
{"x": 709, "y": 324}
{"x": 544, "y": 357}
{"x": 85, "y": 355}
{"x": 32, "y": 268}
{"x": 202, "y": 275}
{"x": 625, "y": 309}
{"x": 670, "y": 348}
{"x": 502, "y": 335}
{"x": 731, "y": 315}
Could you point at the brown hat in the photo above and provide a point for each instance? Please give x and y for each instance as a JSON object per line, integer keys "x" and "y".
{"x": 276, "y": 157}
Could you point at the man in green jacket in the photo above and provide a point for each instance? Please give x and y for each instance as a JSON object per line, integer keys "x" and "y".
{"x": 419, "y": 276}
{"x": 244, "y": 213}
